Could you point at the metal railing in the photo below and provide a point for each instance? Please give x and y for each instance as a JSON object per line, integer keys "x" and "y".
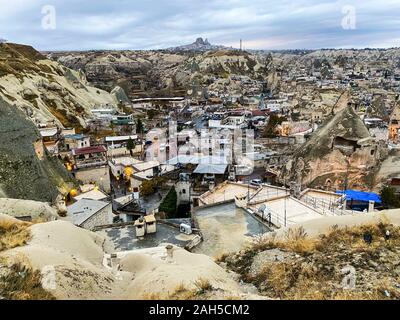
{"x": 91, "y": 163}
{"x": 327, "y": 207}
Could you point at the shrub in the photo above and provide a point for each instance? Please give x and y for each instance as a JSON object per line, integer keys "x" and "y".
{"x": 149, "y": 187}
{"x": 169, "y": 204}
{"x": 389, "y": 197}
{"x": 270, "y": 130}
{"x": 23, "y": 283}
{"x": 203, "y": 286}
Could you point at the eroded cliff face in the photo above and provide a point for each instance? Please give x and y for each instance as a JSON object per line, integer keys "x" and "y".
{"x": 26, "y": 170}
{"x": 46, "y": 90}
{"x": 162, "y": 73}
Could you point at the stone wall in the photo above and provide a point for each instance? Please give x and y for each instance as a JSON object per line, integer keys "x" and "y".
{"x": 99, "y": 176}
{"x": 101, "y": 218}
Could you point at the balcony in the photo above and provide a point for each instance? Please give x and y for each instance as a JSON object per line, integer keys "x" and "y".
{"x": 89, "y": 163}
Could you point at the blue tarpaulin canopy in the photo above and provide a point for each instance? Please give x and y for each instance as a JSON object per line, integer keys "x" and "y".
{"x": 361, "y": 196}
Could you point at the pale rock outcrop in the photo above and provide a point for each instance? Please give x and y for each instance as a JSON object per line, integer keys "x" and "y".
{"x": 33, "y": 210}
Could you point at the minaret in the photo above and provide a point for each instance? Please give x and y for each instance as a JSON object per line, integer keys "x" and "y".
{"x": 241, "y": 44}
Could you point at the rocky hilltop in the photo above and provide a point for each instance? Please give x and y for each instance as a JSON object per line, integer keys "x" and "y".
{"x": 162, "y": 73}
{"x": 199, "y": 45}
{"x": 36, "y": 90}
{"x": 44, "y": 89}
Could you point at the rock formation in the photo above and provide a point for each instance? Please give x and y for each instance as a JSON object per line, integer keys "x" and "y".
{"x": 74, "y": 263}
{"x": 26, "y": 170}
{"x": 199, "y": 45}
{"x": 163, "y": 73}
{"x": 44, "y": 89}
{"x": 119, "y": 95}
{"x": 340, "y": 152}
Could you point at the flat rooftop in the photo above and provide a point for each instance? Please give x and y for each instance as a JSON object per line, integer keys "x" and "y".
{"x": 268, "y": 192}
{"x": 226, "y": 192}
{"x": 225, "y": 229}
{"x": 89, "y": 150}
{"x": 321, "y": 195}
{"x": 124, "y": 238}
{"x": 296, "y": 211}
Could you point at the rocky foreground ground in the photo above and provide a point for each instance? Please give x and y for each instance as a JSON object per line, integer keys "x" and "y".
{"x": 324, "y": 260}
{"x": 357, "y": 262}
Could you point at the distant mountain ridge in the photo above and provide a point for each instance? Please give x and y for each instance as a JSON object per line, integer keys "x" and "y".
{"x": 200, "y": 45}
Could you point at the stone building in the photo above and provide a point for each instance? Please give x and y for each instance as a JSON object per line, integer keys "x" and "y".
{"x": 88, "y": 213}
{"x": 394, "y": 125}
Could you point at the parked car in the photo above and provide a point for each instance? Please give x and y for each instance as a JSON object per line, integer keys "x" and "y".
{"x": 256, "y": 182}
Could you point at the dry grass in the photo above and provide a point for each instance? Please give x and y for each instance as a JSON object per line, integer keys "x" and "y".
{"x": 295, "y": 240}
{"x": 313, "y": 271}
{"x": 13, "y": 234}
{"x": 353, "y": 237}
{"x": 221, "y": 258}
{"x": 20, "y": 282}
{"x": 153, "y": 296}
{"x": 202, "y": 288}
{"x": 182, "y": 293}
{"x": 279, "y": 277}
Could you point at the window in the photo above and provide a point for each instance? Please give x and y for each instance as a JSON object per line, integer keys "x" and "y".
{"x": 184, "y": 191}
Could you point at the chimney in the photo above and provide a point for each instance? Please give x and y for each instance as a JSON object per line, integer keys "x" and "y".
{"x": 135, "y": 193}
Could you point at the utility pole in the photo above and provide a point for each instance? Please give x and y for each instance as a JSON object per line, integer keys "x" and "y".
{"x": 248, "y": 191}
{"x": 345, "y": 184}
{"x": 284, "y": 182}
{"x": 346, "y": 180}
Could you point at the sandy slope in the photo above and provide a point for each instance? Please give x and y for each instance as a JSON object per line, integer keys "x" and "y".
{"x": 161, "y": 275}
{"x": 77, "y": 258}
{"x": 320, "y": 226}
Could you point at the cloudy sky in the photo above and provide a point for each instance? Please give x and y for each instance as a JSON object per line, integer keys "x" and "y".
{"x": 154, "y": 24}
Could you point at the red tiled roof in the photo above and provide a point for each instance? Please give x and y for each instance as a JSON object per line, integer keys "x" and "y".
{"x": 395, "y": 182}
{"x": 89, "y": 150}
{"x": 258, "y": 113}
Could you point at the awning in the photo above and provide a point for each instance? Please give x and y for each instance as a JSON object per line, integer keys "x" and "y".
{"x": 211, "y": 169}
{"x": 361, "y": 196}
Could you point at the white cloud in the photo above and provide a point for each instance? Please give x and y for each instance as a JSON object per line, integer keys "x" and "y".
{"x": 153, "y": 24}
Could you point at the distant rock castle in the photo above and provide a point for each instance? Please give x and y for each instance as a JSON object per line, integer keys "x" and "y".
{"x": 199, "y": 45}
